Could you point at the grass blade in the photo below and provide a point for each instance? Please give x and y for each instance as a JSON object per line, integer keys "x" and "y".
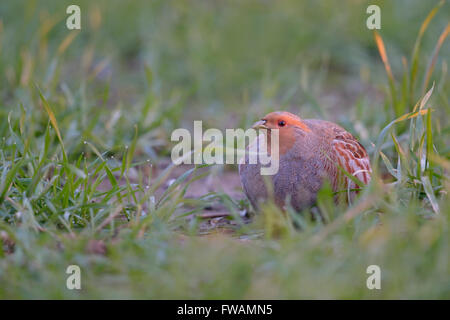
{"x": 387, "y": 67}
{"x": 415, "y": 54}
{"x": 53, "y": 121}
{"x": 430, "y": 193}
{"x": 432, "y": 62}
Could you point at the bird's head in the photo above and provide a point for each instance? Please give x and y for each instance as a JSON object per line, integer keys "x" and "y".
{"x": 282, "y": 120}
{"x": 289, "y": 125}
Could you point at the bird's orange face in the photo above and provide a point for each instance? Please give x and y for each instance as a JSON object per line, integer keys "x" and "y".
{"x": 282, "y": 120}
{"x": 286, "y": 123}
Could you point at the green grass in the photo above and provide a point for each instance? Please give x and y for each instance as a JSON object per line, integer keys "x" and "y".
{"x": 85, "y": 129}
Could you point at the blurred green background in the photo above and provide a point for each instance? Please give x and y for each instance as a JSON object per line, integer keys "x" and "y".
{"x": 139, "y": 69}
{"x": 219, "y": 56}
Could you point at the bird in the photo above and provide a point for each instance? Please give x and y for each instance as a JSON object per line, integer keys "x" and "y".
{"x": 310, "y": 152}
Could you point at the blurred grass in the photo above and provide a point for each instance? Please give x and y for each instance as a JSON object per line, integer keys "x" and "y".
{"x": 85, "y": 128}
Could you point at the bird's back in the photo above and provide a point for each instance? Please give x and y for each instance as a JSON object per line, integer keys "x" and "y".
{"x": 345, "y": 149}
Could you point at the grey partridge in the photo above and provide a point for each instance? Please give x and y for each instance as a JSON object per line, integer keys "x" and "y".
{"x": 310, "y": 151}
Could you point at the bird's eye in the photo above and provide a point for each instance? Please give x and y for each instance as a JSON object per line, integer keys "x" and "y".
{"x": 281, "y": 123}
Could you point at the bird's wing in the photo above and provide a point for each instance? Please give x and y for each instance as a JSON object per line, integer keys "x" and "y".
{"x": 351, "y": 155}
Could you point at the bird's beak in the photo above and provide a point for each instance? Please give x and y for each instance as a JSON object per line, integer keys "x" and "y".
{"x": 261, "y": 124}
